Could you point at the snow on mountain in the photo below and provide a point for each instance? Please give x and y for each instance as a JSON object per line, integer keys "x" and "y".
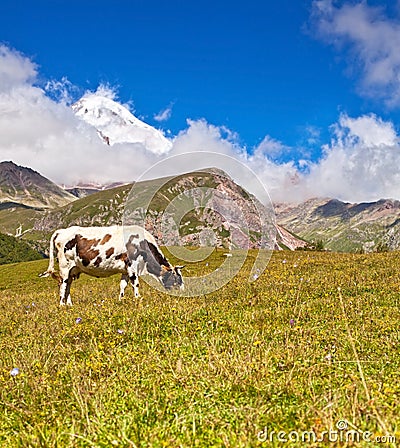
{"x": 116, "y": 124}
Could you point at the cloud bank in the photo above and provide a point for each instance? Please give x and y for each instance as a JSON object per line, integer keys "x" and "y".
{"x": 41, "y": 131}
{"x": 371, "y": 40}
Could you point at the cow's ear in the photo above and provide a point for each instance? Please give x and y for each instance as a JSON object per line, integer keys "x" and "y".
{"x": 178, "y": 268}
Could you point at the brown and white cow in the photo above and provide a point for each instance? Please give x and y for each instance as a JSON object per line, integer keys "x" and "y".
{"x": 103, "y": 251}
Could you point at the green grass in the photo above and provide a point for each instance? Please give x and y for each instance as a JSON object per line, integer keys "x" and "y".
{"x": 206, "y": 371}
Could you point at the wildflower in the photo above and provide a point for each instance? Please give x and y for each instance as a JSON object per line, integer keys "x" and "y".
{"x": 78, "y": 320}
{"x": 291, "y": 322}
{"x": 255, "y": 276}
{"x": 284, "y": 261}
{"x": 256, "y": 343}
{"x": 119, "y": 331}
{"x": 14, "y": 371}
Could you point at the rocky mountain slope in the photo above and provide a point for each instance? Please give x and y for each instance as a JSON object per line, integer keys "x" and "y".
{"x": 344, "y": 226}
{"x": 31, "y": 206}
{"x": 24, "y": 186}
{"x": 116, "y": 124}
{"x": 200, "y": 208}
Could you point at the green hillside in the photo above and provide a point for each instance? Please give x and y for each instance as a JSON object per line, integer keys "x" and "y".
{"x": 13, "y": 250}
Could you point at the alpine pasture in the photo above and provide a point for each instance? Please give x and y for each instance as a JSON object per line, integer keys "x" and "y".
{"x": 313, "y": 342}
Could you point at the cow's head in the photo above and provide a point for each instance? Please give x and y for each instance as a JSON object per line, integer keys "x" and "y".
{"x": 172, "y": 277}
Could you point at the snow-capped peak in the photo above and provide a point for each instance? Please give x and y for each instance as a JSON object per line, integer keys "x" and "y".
{"x": 116, "y": 124}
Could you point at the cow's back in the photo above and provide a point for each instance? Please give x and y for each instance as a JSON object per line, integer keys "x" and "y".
{"x": 97, "y": 251}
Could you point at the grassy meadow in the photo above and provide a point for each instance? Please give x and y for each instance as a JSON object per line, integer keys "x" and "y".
{"x": 314, "y": 341}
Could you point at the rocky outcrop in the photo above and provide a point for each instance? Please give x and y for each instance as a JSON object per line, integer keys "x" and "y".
{"x": 342, "y": 226}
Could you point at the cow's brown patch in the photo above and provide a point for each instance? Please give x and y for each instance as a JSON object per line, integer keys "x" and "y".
{"x": 124, "y": 257}
{"x": 85, "y": 249}
{"x": 97, "y": 262}
{"x": 109, "y": 252}
{"x": 71, "y": 243}
{"x": 105, "y": 239}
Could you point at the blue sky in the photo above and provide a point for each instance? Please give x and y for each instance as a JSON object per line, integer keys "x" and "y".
{"x": 287, "y": 72}
{"x": 255, "y": 67}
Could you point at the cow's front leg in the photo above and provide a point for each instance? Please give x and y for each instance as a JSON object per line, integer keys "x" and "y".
{"x": 65, "y": 288}
{"x": 69, "y": 300}
{"x": 122, "y": 285}
{"x": 134, "y": 279}
{"x": 135, "y": 284}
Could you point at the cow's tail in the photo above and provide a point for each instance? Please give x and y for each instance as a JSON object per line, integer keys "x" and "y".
{"x": 50, "y": 270}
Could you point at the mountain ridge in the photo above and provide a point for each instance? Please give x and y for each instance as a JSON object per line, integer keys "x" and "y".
{"x": 344, "y": 226}
{"x": 25, "y": 186}
{"x": 207, "y": 210}
{"x": 341, "y": 226}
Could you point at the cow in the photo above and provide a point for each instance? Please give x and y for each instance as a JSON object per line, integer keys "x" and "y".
{"x": 104, "y": 251}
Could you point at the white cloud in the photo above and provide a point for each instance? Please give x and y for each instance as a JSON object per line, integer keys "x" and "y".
{"x": 108, "y": 91}
{"x": 45, "y": 134}
{"x": 372, "y": 39}
{"x": 62, "y": 91}
{"x": 361, "y": 162}
{"x": 164, "y": 115}
{"x": 15, "y": 69}
{"x": 271, "y": 148}
{"x": 367, "y": 130}
{"x": 312, "y": 135}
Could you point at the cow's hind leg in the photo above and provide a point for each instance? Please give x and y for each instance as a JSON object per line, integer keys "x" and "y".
{"x": 122, "y": 285}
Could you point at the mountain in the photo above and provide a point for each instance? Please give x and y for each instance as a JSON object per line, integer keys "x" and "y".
{"x": 216, "y": 207}
{"x": 199, "y": 208}
{"x": 344, "y": 226}
{"x": 116, "y": 124}
{"x": 21, "y": 186}
{"x": 81, "y": 192}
